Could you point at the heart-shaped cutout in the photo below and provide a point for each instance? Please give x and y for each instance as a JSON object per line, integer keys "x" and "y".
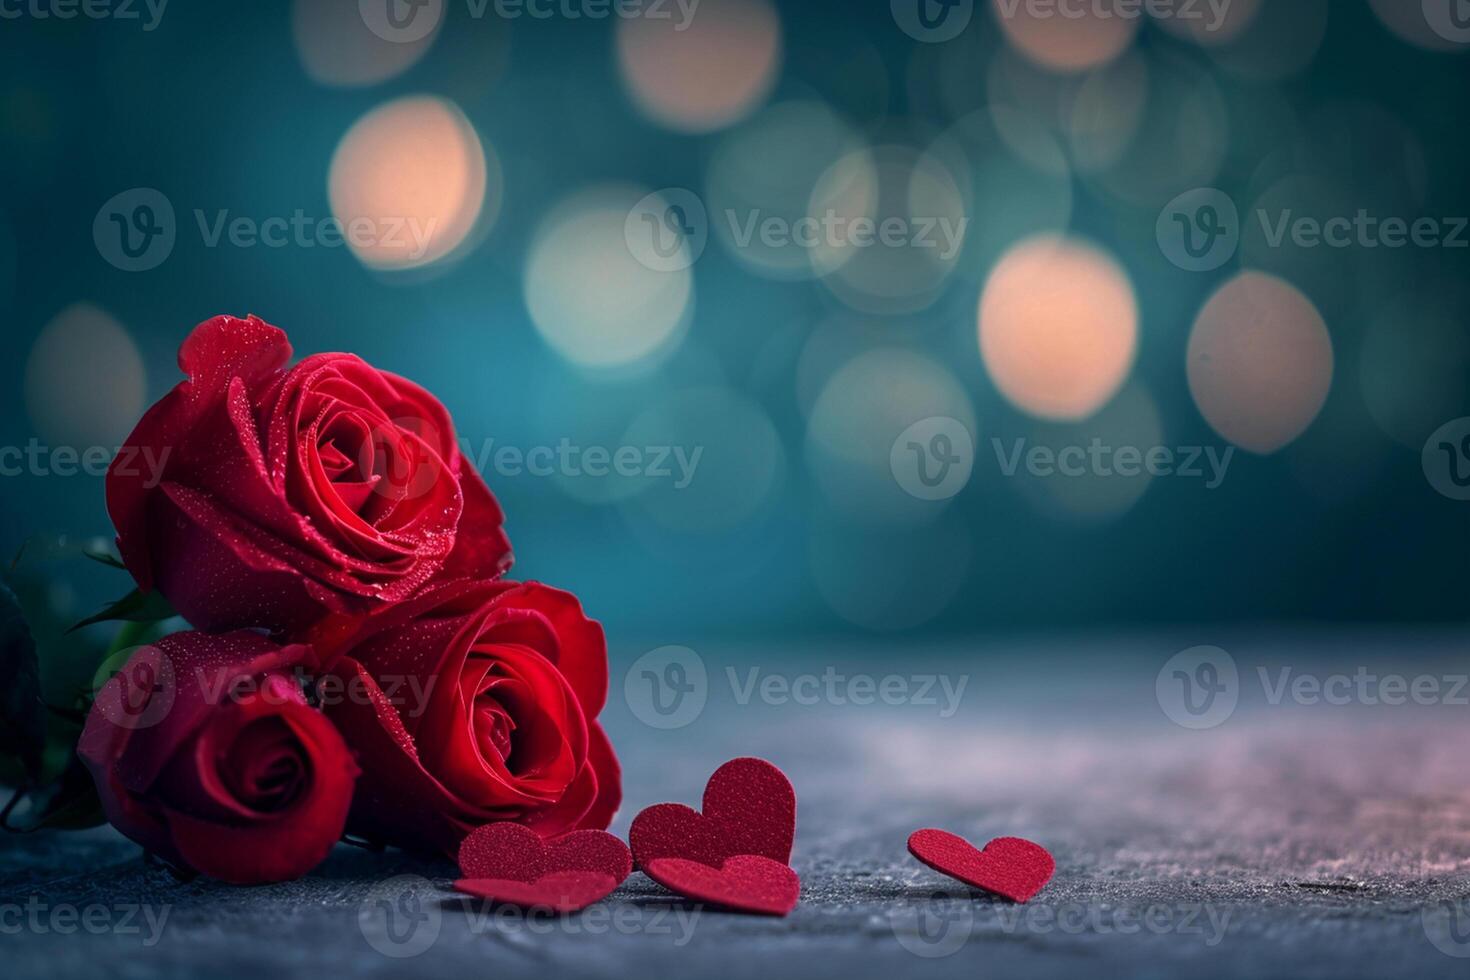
{"x": 1008, "y": 866}
{"x": 510, "y": 852}
{"x": 744, "y": 883}
{"x": 749, "y": 807}
{"x": 560, "y": 891}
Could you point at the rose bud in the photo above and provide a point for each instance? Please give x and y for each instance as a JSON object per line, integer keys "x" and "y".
{"x": 481, "y": 706}
{"x": 205, "y": 751}
{"x": 254, "y": 495}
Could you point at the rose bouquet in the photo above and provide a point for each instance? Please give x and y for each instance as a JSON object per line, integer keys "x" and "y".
{"x": 358, "y": 664}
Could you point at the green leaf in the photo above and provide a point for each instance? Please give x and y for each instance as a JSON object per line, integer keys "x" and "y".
{"x": 104, "y": 558}
{"x": 135, "y": 607}
{"x": 22, "y": 712}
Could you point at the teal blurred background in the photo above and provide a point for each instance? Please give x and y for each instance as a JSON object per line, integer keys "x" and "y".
{"x": 529, "y": 140}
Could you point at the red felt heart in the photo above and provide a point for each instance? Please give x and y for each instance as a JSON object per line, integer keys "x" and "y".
{"x": 1009, "y": 866}
{"x": 744, "y": 883}
{"x": 749, "y": 808}
{"x": 511, "y": 852}
{"x": 560, "y": 891}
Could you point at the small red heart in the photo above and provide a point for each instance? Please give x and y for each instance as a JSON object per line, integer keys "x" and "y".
{"x": 749, "y": 808}
{"x": 560, "y": 891}
{"x": 744, "y": 883}
{"x": 1009, "y": 866}
{"x": 511, "y": 852}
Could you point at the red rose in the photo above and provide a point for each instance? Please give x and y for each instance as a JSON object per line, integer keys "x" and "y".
{"x": 205, "y": 751}
{"x": 254, "y": 495}
{"x": 483, "y": 707}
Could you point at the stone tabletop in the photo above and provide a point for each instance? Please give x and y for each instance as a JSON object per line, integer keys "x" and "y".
{"x": 1299, "y": 835}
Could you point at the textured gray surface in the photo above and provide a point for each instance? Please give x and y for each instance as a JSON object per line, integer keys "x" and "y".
{"x": 1292, "y": 840}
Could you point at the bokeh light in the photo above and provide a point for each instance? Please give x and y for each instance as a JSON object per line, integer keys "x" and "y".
{"x": 1007, "y": 194}
{"x": 1207, "y": 25}
{"x": 1083, "y": 38}
{"x": 84, "y": 380}
{"x": 590, "y": 298}
{"x": 1026, "y": 103}
{"x": 1058, "y": 327}
{"x": 886, "y": 579}
{"x": 1260, "y": 362}
{"x": 1347, "y": 158}
{"x": 706, "y": 72}
{"x": 337, "y": 48}
{"x": 1409, "y": 20}
{"x": 1104, "y": 114}
{"x": 1131, "y": 423}
{"x": 1414, "y": 365}
{"x": 415, "y": 177}
{"x": 832, "y": 342}
{"x": 863, "y": 408}
{"x": 586, "y": 411}
{"x": 898, "y": 227}
{"x": 725, "y": 460}
{"x": 767, "y": 168}
{"x": 1280, "y": 41}
{"x": 1180, "y": 140}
